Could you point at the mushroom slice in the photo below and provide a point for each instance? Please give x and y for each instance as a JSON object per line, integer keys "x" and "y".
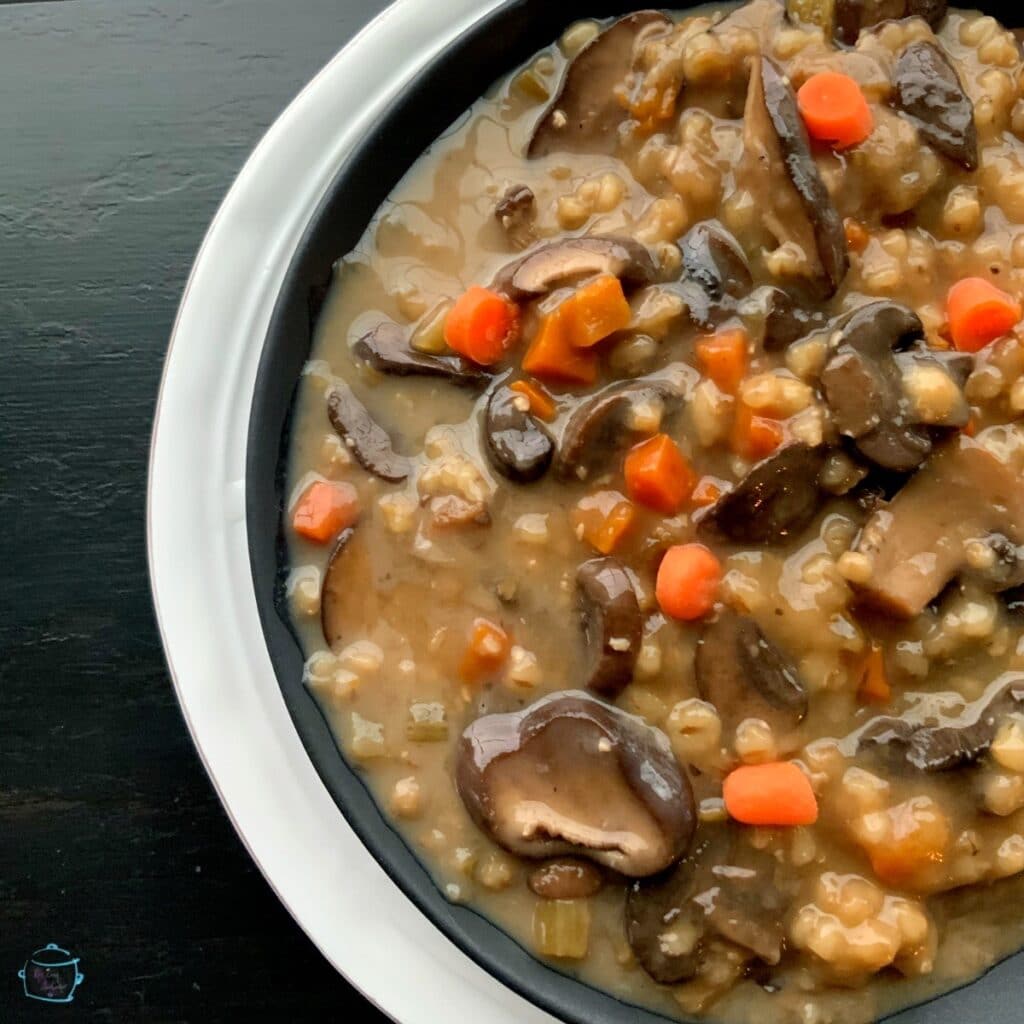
{"x": 928, "y": 90}
{"x": 386, "y": 350}
{"x": 788, "y": 316}
{"x": 745, "y": 675}
{"x": 573, "y": 775}
{"x": 845, "y": 19}
{"x": 515, "y": 212}
{"x": 566, "y": 878}
{"x": 612, "y": 624}
{"x": 780, "y": 173}
{"x": 346, "y": 608}
{"x": 586, "y": 116}
{"x": 366, "y": 439}
{"x": 916, "y": 544}
{"x": 777, "y": 499}
{"x": 715, "y": 263}
{"x": 596, "y": 422}
{"x": 517, "y": 446}
{"x": 570, "y": 259}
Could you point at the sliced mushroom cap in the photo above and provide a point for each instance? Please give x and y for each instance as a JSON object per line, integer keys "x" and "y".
{"x": 517, "y": 445}
{"x": 515, "y": 212}
{"x": 612, "y": 624}
{"x": 951, "y": 744}
{"x": 570, "y": 259}
{"x": 714, "y": 260}
{"x": 573, "y": 775}
{"x": 852, "y": 16}
{"x": 387, "y": 351}
{"x": 366, "y": 439}
{"x": 788, "y": 316}
{"x": 777, "y": 499}
{"x": 586, "y": 116}
{"x": 589, "y": 434}
{"x": 745, "y": 675}
{"x": 783, "y": 178}
{"x": 916, "y": 544}
{"x": 928, "y": 90}
{"x": 344, "y": 609}
{"x": 566, "y": 878}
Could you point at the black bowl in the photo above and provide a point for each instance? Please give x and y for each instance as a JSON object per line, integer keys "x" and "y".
{"x": 439, "y": 94}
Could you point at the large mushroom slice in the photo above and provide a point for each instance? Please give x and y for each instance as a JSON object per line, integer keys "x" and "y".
{"x": 846, "y": 19}
{"x": 386, "y": 350}
{"x": 517, "y": 445}
{"x": 716, "y": 265}
{"x": 573, "y": 775}
{"x": 364, "y": 437}
{"x": 347, "y": 609}
{"x": 586, "y": 116}
{"x": 917, "y": 543}
{"x": 780, "y": 173}
{"x": 568, "y": 260}
{"x": 612, "y": 624}
{"x": 776, "y": 500}
{"x": 745, "y": 675}
{"x": 928, "y": 90}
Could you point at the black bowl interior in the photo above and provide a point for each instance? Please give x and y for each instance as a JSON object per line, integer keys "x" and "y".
{"x": 440, "y": 92}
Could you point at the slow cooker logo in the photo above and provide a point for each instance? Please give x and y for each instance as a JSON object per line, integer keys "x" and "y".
{"x": 51, "y": 975}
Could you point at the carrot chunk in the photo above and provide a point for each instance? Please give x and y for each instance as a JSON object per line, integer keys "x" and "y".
{"x": 324, "y": 510}
{"x": 835, "y": 109}
{"x": 754, "y": 437}
{"x": 486, "y": 651}
{"x": 658, "y": 476}
{"x": 688, "y": 581}
{"x": 707, "y": 491}
{"x": 979, "y": 312}
{"x": 723, "y": 358}
{"x": 482, "y": 325}
{"x": 778, "y": 793}
{"x": 552, "y": 357}
{"x": 542, "y": 405}
{"x": 874, "y": 685}
{"x": 594, "y": 311}
{"x": 604, "y": 519}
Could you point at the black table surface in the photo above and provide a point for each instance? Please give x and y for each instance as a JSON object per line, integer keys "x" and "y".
{"x": 123, "y": 125}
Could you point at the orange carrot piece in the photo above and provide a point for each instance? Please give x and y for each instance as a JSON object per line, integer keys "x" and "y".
{"x": 542, "y": 405}
{"x": 754, "y": 437}
{"x": 707, "y": 491}
{"x": 835, "y": 109}
{"x": 482, "y": 325}
{"x": 688, "y": 581}
{"x": 874, "y": 685}
{"x": 595, "y": 310}
{"x": 723, "y": 358}
{"x": 778, "y": 793}
{"x": 324, "y": 510}
{"x": 551, "y": 357}
{"x": 604, "y": 519}
{"x": 658, "y": 475}
{"x": 486, "y": 651}
{"x": 857, "y": 236}
{"x": 979, "y": 312}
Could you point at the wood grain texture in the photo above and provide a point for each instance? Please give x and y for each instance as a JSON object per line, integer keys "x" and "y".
{"x": 124, "y": 124}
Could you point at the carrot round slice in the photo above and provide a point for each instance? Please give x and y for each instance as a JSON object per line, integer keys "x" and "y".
{"x": 979, "y": 312}
{"x": 770, "y": 794}
{"x": 688, "y": 580}
{"x": 835, "y": 109}
{"x": 482, "y": 325}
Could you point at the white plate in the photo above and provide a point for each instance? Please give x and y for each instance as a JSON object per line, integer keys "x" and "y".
{"x": 199, "y": 549}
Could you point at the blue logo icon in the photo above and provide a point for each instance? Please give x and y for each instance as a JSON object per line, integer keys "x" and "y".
{"x": 51, "y": 975}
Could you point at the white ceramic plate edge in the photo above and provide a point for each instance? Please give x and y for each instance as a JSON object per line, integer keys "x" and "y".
{"x": 199, "y": 551}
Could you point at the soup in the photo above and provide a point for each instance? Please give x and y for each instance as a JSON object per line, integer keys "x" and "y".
{"x": 655, "y": 519}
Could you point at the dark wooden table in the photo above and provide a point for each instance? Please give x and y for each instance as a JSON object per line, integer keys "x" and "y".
{"x": 123, "y": 124}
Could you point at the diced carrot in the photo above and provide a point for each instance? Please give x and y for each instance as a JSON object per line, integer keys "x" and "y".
{"x": 658, "y": 475}
{"x": 542, "y": 405}
{"x": 723, "y": 358}
{"x": 835, "y": 109}
{"x": 324, "y": 510}
{"x": 874, "y": 685}
{"x": 486, "y": 651}
{"x": 754, "y": 437}
{"x": 916, "y": 843}
{"x": 688, "y": 581}
{"x": 857, "y": 236}
{"x": 595, "y": 310}
{"x": 551, "y": 356}
{"x": 979, "y": 312}
{"x": 604, "y": 519}
{"x": 778, "y": 793}
{"x": 971, "y": 426}
{"x": 707, "y": 491}
{"x": 482, "y": 325}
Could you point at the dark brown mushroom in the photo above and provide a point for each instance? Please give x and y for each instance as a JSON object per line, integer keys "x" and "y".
{"x": 928, "y": 90}
{"x": 386, "y": 350}
{"x": 776, "y": 500}
{"x": 916, "y": 544}
{"x": 851, "y": 17}
{"x": 589, "y": 434}
{"x": 571, "y": 775}
{"x": 741, "y": 672}
{"x": 517, "y": 445}
{"x": 783, "y": 178}
{"x": 515, "y": 212}
{"x": 788, "y": 316}
{"x": 566, "y": 878}
{"x": 366, "y": 439}
{"x": 586, "y": 116}
{"x": 716, "y": 266}
{"x": 951, "y": 744}
{"x": 612, "y": 624}
{"x": 343, "y": 607}
{"x": 570, "y": 259}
